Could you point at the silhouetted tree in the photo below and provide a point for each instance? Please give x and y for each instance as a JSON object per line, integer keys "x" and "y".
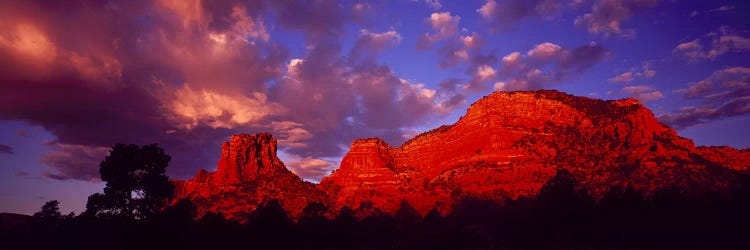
{"x": 562, "y": 210}
{"x": 137, "y": 187}
{"x": 406, "y": 214}
{"x": 49, "y": 216}
{"x": 270, "y": 214}
{"x": 181, "y": 213}
{"x": 345, "y": 218}
{"x": 433, "y": 217}
{"x": 314, "y": 211}
{"x": 562, "y": 185}
{"x": 50, "y": 211}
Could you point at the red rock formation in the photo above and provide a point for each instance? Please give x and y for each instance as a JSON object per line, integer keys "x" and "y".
{"x": 249, "y": 174}
{"x": 727, "y": 156}
{"x": 507, "y": 145}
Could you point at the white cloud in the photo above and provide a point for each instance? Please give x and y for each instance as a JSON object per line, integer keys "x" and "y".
{"x": 206, "y": 107}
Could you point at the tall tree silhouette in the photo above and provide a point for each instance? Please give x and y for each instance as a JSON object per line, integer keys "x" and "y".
{"x": 137, "y": 186}
{"x": 49, "y": 216}
{"x": 50, "y": 211}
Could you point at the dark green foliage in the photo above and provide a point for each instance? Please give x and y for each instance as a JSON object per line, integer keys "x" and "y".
{"x": 137, "y": 186}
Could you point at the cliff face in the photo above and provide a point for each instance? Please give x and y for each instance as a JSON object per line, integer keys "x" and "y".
{"x": 727, "y": 156}
{"x": 506, "y": 146}
{"x": 248, "y": 174}
{"x": 509, "y": 143}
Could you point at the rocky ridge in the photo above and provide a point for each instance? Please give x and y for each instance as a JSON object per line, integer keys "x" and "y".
{"x": 506, "y": 146}
{"x": 248, "y": 174}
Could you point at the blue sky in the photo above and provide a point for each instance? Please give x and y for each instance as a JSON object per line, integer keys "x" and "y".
{"x": 78, "y": 77}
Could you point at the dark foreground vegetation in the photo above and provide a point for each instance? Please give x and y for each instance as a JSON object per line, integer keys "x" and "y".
{"x": 125, "y": 216}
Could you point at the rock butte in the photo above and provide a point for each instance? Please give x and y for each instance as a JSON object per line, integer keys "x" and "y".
{"x": 506, "y": 146}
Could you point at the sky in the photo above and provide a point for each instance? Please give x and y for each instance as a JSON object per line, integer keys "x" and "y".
{"x": 77, "y": 77}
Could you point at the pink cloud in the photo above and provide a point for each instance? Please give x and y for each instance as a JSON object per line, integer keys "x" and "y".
{"x": 503, "y": 14}
{"x": 370, "y": 44}
{"x": 623, "y": 78}
{"x": 197, "y": 73}
{"x": 444, "y": 25}
{"x": 644, "y": 72}
{"x": 310, "y": 168}
{"x": 724, "y": 94}
{"x": 607, "y": 16}
{"x": 643, "y": 93}
{"x": 712, "y": 45}
{"x": 546, "y": 63}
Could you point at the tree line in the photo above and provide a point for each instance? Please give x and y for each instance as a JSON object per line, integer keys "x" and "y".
{"x": 131, "y": 214}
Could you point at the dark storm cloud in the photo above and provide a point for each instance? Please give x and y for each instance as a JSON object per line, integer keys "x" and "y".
{"x": 97, "y": 74}
{"x": 187, "y": 74}
{"x": 503, "y": 14}
{"x": 5, "y": 149}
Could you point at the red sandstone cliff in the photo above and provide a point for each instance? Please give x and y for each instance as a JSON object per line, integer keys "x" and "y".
{"x": 509, "y": 143}
{"x": 249, "y": 173}
{"x": 506, "y": 146}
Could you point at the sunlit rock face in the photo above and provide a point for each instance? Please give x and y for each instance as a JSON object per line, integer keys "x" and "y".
{"x": 506, "y": 146}
{"x": 509, "y": 143}
{"x": 249, "y": 173}
{"x": 727, "y": 156}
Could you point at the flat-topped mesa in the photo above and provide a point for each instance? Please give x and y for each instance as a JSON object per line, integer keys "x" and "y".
{"x": 510, "y": 143}
{"x": 245, "y": 157}
{"x": 535, "y": 109}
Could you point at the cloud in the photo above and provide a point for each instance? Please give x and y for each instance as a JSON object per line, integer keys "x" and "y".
{"x": 22, "y": 174}
{"x": 216, "y": 110}
{"x": 74, "y": 161}
{"x": 370, "y": 44}
{"x": 623, "y": 78}
{"x": 722, "y": 8}
{"x": 187, "y": 74}
{"x": 545, "y": 64}
{"x": 503, "y": 14}
{"x": 309, "y": 168}
{"x": 724, "y": 94}
{"x": 316, "y": 19}
{"x": 643, "y": 93}
{"x": 461, "y": 49}
{"x": 444, "y": 25}
{"x": 338, "y": 97}
{"x": 644, "y": 72}
{"x": 607, "y": 16}
{"x": 433, "y": 4}
{"x": 291, "y": 134}
{"x": 195, "y": 74}
{"x": 5, "y": 149}
{"x": 712, "y": 45}
{"x": 544, "y": 51}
